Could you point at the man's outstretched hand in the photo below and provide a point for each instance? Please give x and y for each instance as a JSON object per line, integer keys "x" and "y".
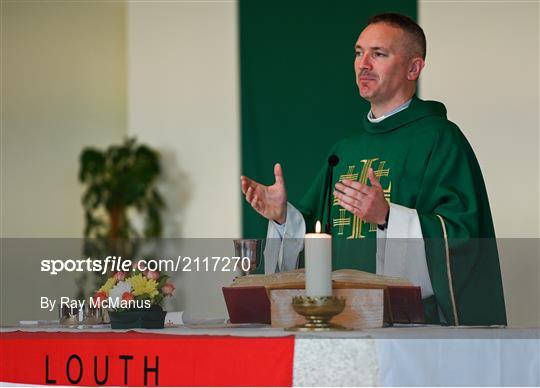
{"x": 365, "y": 202}
{"x": 268, "y": 201}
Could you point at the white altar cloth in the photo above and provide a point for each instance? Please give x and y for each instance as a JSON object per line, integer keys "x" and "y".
{"x": 399, "y": 356}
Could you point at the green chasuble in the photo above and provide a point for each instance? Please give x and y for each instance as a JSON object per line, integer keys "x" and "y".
{"x": 423, "y": 162}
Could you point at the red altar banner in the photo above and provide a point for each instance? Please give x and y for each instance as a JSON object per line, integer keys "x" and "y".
{"x": 144, "y": 359}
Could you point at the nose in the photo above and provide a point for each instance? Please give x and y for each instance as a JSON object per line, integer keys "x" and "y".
{"x": 363, "y": 62}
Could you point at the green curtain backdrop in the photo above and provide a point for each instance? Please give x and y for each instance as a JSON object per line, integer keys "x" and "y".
{"x": 298, "y": 90}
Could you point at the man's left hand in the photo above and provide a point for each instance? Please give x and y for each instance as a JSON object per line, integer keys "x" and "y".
{"x": 365, "y": 202}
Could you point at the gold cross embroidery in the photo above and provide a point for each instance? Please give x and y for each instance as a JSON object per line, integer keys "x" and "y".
{"x": 357, "y": 223}
{"x": 349, "y": 175}
{"x": 342, "y": 221}
{"x": 356, "y": 231}
{"x": 381, "y": 171}
{"x": 387, "y": 192}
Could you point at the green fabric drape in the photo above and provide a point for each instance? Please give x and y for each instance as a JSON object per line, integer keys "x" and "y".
{"x": 298, "y": 90}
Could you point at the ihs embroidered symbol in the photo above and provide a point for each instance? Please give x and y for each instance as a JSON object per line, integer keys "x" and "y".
{"x": 344, "y": 218}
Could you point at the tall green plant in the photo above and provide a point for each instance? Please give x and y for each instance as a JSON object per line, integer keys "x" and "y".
{"x": 119, "y": 181}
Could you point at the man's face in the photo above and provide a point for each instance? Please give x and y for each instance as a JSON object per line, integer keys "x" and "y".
{"x": 381, "y": 63}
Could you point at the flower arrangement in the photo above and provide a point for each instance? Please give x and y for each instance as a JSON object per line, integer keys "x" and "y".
{"x": 133, "y": 291}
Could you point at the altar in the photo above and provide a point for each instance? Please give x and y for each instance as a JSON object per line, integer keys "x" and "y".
{"x": 263, "y": 356}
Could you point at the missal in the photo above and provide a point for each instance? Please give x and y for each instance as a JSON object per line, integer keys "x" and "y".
{"x": 371, "y": 300}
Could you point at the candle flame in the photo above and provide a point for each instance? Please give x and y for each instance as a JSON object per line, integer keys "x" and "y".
{"x": 318, "y": 227}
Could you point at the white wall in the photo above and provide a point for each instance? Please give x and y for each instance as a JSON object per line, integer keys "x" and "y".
{"x": 183, "y": 99}
{"x": 63, "y": 88}
{"x": 483, "y": 63}
{"x": 183, "y": 86}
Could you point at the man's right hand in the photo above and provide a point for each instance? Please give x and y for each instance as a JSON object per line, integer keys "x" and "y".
{"x": 268, "y": 201}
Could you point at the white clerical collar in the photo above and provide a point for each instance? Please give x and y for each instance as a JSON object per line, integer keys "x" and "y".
{"x": 372, "y": 118}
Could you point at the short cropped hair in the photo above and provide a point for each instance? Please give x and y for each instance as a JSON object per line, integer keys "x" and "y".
{"x": 416, "y": 35}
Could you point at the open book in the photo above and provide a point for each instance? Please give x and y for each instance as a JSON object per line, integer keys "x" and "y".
{"x": 370, "y": 298}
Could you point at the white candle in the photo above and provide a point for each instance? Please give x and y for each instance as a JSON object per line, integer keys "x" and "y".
{"x": 318, "y": 260}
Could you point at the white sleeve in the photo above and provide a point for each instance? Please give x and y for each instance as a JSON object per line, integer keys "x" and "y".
{"x": 400, "y": 249}
{"x": 284, "y": 242}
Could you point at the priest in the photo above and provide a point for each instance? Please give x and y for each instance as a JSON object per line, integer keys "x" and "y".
{"x": 406, "y": 197}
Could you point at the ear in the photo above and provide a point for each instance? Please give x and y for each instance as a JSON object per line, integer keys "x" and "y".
{"x": 415, "y": 67}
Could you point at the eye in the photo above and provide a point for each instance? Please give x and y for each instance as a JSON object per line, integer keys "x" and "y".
{"x": 379, "y": 54}
{"x": 358, "y": 53}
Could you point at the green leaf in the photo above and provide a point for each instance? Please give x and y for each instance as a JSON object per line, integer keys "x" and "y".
{"x": 158, "y": 299}
{"x": 157, "y": 199}
{"x": 162, "y": 280}
{"x": 92, "y": 164}
{"x": 143, "y": 296}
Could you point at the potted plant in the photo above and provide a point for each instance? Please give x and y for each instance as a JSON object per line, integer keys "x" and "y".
{"x": 119, "y": 181}
{"x": 134, "y": 299}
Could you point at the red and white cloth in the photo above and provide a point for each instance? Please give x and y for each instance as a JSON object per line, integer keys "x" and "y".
{"x": 403, "y": 356}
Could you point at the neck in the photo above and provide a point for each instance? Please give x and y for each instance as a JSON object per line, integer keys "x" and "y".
{"x": 379, "y": 109}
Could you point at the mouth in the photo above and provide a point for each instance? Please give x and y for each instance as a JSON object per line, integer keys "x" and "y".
{"x": 366, "y": 78}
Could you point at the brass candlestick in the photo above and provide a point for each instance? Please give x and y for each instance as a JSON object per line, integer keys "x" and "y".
{"x": 318, "y": 310}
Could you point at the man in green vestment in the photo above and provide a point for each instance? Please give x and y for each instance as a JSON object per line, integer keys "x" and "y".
{"x": 409, "y": 199}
